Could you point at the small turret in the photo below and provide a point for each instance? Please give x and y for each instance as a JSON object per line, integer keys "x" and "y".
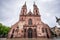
{"x": 30, "y": 13}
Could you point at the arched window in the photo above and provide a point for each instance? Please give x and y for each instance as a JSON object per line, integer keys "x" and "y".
{"x": 43, "y": 30}
{"x": 30, "y": 21}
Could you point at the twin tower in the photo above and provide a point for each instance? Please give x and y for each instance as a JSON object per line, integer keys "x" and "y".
{"x": 24, "y": 9}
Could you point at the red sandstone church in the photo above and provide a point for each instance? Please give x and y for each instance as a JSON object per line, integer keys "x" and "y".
{"x": 29, "y": 25}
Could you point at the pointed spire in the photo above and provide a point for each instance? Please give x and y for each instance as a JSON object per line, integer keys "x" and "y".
{"x": 24, "y": 4}
{"x": 24, "y": 9}
{"x": 35, "y": 9}
{"x": 34, "y": 4}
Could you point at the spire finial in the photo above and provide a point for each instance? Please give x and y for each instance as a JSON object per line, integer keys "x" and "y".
{"x": 25, "y": 2}
{"x": 34, "y": 2}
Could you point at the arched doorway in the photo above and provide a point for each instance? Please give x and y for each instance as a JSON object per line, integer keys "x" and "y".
{"x": 30, "y": 33}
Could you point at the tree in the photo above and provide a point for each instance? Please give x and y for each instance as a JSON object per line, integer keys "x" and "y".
{"x": 4, "y": 30}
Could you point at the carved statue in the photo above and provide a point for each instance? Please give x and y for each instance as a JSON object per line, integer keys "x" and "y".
{"x": 58, "y": 20}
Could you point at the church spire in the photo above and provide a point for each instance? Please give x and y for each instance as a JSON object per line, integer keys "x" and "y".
{"x": 24, "y": 5}
{"x": 35, "y": 9}
{"x": 24, "y": 9}
{"x": 34, "y": 2}
{"x": 34, "y": 5}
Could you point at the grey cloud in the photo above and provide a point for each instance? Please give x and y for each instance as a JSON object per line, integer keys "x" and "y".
{"x": 13, "y": 7}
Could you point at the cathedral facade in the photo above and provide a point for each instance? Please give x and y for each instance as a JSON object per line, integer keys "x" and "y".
{"x": 29, "y": 25}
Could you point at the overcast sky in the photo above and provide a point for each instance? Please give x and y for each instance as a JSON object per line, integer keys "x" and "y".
{"x": 10, "y": 10}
